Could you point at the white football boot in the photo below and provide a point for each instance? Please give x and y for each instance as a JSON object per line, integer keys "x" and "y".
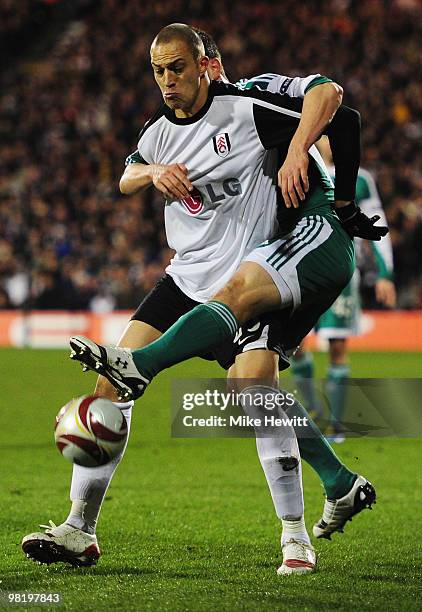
{"x": 115, "y": 363}
{"x": 298, "y": 558}
{"x": 62, "y": 543}
{"x": 338, "y": 511}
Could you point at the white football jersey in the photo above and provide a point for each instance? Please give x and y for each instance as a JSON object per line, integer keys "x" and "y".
{"x": 225, "y": 147}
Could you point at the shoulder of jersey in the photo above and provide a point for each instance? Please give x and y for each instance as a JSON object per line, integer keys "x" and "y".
{"x": 156, "y": 116}
{"x": 262, "y": 81}
{"x": 228, "y": 89}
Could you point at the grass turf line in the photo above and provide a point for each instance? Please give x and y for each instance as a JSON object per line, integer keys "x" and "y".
{"x": 189, "y": 524}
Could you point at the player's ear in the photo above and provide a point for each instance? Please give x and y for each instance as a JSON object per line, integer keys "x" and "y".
{"x": 203, "y": 65}
{"x": 214, "y": 69}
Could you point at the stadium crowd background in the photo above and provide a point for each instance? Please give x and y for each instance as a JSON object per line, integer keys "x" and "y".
{"x": 76, "y": 88}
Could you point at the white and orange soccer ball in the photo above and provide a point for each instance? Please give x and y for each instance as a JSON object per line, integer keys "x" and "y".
{"x": 90, "y": 431}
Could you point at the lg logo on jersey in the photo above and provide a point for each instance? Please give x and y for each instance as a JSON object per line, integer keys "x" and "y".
{"x": 216, "y": 193}
{"x": 229, "y": 187}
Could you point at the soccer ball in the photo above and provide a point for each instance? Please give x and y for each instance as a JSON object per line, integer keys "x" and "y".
{"x": 90, "y": 431}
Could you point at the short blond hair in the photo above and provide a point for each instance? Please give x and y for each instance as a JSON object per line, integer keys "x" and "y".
{"x": 181, "y": 31}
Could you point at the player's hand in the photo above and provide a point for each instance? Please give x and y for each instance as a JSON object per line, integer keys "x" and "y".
{"x": 172, "y": 180}
{"x": 357, "y": 224}
{"x": 293, "y": 177}
{"x": 385, "y": 292}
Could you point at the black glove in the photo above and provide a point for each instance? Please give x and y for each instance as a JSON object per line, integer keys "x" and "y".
{"x": 356, "y": 223}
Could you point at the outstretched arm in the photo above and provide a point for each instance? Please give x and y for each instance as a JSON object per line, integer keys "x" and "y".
{"x": 171, "y": 179}
{"x": 136, "y": 176}
{"x": 319, "y": 107}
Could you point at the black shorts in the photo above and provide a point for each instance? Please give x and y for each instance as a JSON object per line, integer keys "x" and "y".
{"x": 166, "y": 303}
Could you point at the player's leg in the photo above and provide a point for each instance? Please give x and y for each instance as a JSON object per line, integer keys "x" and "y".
{"x": 347, "y": 493}
{"x": 303, "y": 369}
{"x": 336, "y": 478}
{"x": 337, "y": 324}
{"x": 316, "y": 274}
{"x": 336, "y": 388}
{"x": 67, "y": 542}
{"x": 266, "y": 280}
{"x": 249, "y": 292}
{"x": 89, "y": 485}
{"x": 74, "y": 541}
{"x": 278, "y": 454}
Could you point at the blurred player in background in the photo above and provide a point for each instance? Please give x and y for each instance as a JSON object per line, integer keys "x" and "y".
{"x": 342, "y": 320}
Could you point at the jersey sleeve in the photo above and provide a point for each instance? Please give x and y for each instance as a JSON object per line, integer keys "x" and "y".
{"x": 147, "y": 140}
{"x": 344, "y": 136}
{"x": 276, "y": 119}
{"x": 295, "y": 87}
{"x": 134, "y": 158}
{"x": 145, "y": 149}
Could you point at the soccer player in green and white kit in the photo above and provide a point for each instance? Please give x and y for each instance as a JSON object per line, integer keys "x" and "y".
{"x": 342, "y": 319}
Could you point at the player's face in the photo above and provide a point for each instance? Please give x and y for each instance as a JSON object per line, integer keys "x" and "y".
{"x": 179, "y": 76}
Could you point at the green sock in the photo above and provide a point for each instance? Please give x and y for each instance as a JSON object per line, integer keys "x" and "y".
{"x": 336, "y": 389}
{"x": 198, "y": 331}
{"x": 315, "y": 450}
{"x": 303, "y": 374}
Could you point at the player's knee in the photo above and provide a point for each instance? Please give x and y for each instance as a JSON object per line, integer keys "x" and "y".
{"x": 260, "y": 371}
{"x": 236, "y": 296}
{"x": 231, "y": 293}
{"x": 258, "y": 365}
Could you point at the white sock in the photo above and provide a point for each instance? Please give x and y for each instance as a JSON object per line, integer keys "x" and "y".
{"x": 285, "y": 487}
{"x": 89, "y": 485}
{"x": 294, "y": 530}
{"x": 273, "y": 442}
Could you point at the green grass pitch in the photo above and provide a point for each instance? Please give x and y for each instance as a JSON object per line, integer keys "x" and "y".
{"x": 189, "y": 524}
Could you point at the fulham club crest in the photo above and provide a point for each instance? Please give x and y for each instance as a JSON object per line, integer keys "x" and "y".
{"x": 222, "y": 144}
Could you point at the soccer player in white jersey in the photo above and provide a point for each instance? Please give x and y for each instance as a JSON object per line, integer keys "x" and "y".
{"x": 342, "y": 320}
{"x": 229, "y": 189}
{"x": 339, "y": 482}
